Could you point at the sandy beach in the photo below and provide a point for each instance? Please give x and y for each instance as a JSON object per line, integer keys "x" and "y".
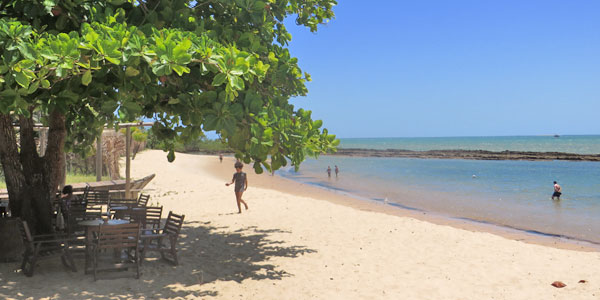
{"x": 300, "y": 242}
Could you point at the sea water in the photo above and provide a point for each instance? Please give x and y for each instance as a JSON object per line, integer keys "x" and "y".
{"x": 515, "y": 194}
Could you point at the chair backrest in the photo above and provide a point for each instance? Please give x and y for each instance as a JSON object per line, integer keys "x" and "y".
{"x": 93, "y": 212}
{"x": 123, "y": 202}
{"x": 137, "y": 215}
{"x": 143, "y": 199}
{"x": 153, "y": 216}
{"x": 174, "y": 223}
{"x": 97, "y": 198}
{"x": 85, "y": 194}
{"x": 118, "y": 236}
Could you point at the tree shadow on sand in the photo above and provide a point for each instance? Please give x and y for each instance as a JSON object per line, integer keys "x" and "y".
{"x": 207, "y": 254}
{"x": 243, "y": 254}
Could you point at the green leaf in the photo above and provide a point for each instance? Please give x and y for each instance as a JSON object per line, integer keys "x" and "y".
{"x": 219, "y": 79}
{"x": 237, "y": 82}
{"x": 117, "y": 2}
{"x": 45, "y": 83}
{"x": 86, "y": 79}
{"x": 22, "y": 79}
{"x": 132, "y": 107}
{"x": 33, "y": 87}
{"x": 171, "y": 156}
{"x": 131, "y": 72}
{"x": 257, "y": 168}
{"x": 180, "y": 70}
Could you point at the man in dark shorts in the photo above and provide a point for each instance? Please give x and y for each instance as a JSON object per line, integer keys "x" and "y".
{"x": 557, "y": 191}
{"x": 241, "y": 184}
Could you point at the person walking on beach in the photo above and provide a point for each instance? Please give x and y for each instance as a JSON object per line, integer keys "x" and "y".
{"x": 241, "y": 184}
{"x": 337, "y": 170}
{"x": 329, "y": 171}
{"x": 220, "y": 157}
{"x": 557, "y": 191}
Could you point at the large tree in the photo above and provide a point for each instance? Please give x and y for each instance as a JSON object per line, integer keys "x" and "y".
{"x": 190, "y": 65}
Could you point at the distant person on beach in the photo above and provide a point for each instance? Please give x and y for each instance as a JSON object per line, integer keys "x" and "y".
{"x": 220, "y": 157}
{"x": 241, "y": 184}
{"x": 329, "y": 171}
{"x": 557, "y": 191}
{"x": 337, "y": 170}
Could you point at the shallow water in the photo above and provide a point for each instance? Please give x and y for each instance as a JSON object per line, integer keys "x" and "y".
{"x": 514, "y": 194}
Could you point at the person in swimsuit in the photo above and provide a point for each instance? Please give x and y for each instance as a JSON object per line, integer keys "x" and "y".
{"x": 557, "y": 191}
{"x": 329, "y": 171}
{"x": 241, "y": 184}
{"x": 337, "y": 170}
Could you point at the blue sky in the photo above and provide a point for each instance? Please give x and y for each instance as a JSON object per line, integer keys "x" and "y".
{"x": 454, "y": 68}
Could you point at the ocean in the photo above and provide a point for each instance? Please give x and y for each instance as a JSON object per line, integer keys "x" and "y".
{"x": 513, "y": 194}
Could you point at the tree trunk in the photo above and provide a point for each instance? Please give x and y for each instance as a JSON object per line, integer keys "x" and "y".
{"x": 32, "y": 180}
{"x": 11, "y": 164}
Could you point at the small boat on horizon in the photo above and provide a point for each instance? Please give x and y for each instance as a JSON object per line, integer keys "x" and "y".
{"x": 556, "y": 135}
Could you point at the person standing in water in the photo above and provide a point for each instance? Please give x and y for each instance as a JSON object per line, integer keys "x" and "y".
{"x": 557, "y": 191}
{"x": 241, "y": 184}
{"x": 329, "y": 171}
{"x": 337, "y": 170}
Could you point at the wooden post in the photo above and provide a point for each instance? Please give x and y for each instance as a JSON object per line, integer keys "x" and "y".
{"x": 43, "y": 140}
{"x": 99, "y": 158}
{"x": 127, "y": 161}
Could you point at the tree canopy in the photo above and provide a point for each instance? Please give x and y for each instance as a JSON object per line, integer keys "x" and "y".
{"x": 191, "y": 65}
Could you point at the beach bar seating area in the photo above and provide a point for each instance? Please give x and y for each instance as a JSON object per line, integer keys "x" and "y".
{"x": 109, "y": 232}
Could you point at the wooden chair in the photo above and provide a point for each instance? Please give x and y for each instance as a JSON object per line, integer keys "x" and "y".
{"x": 153, "y": 217}
{"x": 94, "y": 198}
{"x": 45, "y": 246}
{"x": 75, "y": 232}
{"x": 117, "y": 239}
{"x": 170, "y": 232}
{"x": 143, "y": 199}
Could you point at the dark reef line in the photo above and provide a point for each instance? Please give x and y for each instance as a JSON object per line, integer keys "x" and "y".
{"x": 467, "y": 154}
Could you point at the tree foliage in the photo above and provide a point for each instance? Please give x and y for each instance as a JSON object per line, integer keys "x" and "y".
{"x": 191, "y": 65}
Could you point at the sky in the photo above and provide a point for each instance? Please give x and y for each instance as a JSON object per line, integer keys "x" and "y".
{"x": 437, "y": 68}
